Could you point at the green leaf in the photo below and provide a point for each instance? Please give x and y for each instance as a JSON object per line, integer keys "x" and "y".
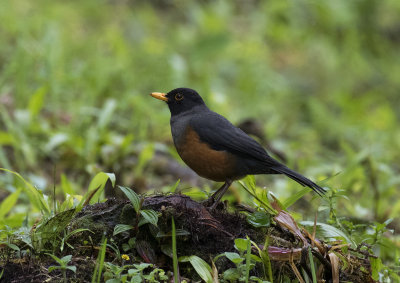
{"x": 72, "y": 268}
{"x": 66, "y": 258}
{"x": 295, "y": 197}
{"x": 36, "y": 101}
{"x": 48, "y": 231}
{"x": 241, "y": 244}
{"x": 234, "y": 257}
{"x": 259, "y": 219}
{"x": 132, "y": 196}
{"x": 98, "y": 183}
{"x": 101, "y": 179}
{"x": 202, "y": 268}
{"x": 150, "y": 215}
{"x": 250, "y": 182}
{"x": 232, "y": 275}
{"x": 376, "y": 266}
{"x": 173, "y": 188}
{"x": 119, "y": 228}
{"x": 57, "y": 259}
{"x": 328, "y": 231}
{"x": 12, "y": 246}
{"x": 8, "y": 203}
{"x": 35, "y": 196}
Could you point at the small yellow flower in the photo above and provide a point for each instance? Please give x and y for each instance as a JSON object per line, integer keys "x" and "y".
{"x": 125, "y": 257}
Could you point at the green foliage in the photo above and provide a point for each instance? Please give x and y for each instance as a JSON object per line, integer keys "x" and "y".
{"x": 63, "y": 265}
{"x": 96, "y": 276}
{"x": 174, "y": 253}
{"x": 35, "y": 196}
{"x": 202, "y": 268}
{"x": 321, "y": 76}
{"x": 133, "y": 273}
{"x": 259, "y": 219}
{"x": 244, "y": 261}
{"x": 143, "y": 216}
{"x": 260, "y": 195}
{"x": 96, "y": 188}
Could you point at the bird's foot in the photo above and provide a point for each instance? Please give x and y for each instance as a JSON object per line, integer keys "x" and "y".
{"x": 211, "y": 204}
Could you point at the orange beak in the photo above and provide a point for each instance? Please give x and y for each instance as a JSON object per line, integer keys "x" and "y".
{"x": 160, "y": 95}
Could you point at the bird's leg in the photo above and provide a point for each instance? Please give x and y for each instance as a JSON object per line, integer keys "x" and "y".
{"x": 216, "y": 197}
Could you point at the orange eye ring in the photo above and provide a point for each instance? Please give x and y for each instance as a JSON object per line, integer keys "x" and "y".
{"x": 178, "y": 97}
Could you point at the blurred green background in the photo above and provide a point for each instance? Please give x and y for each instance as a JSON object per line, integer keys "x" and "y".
{"x": 321, "y": 78}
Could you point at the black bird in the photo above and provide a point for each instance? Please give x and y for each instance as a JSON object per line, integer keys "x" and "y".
{"x": 214, "y": 148}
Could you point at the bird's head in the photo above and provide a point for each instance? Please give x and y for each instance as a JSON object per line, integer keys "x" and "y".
{"x": 180, "y": 99}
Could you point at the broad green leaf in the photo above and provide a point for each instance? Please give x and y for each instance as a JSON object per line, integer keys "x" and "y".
{"x": 328, "y": 231}
{"x": 100, "y": 180}
{"x": 66, "y": 258}
{"x": 35, "y": 196}
{"x": 98, "y": 183}
{"x": 202, "y": 268}
{"x": 234, "y": 257}
{"x": 150, "y": 215}
{"x": 259, "y": 219}
{"x": 57, "y": 259}
{"x": 12, "y": 246}
{"x": 47, "y": 232}
{"x": 142, "y": 266}
{"x": 241, "y": 244}
{"x": 8, "y": 203}
{"x": 132, "y": 196}
{"x": 119, "y": 228}
{"x": 250, "y": 182}
{"x": 72, "y": 268}
{"x": 36, "y": 101}
{"x": 376, "y": 267}
{"x": 295, "y": 197}
{"x": 232, "y": 275}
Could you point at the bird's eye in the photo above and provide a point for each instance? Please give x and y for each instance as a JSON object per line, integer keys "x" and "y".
{"x": 178, "y": 97}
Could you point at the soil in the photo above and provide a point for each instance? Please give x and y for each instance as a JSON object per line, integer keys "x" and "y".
{"x": 199, "y": 232}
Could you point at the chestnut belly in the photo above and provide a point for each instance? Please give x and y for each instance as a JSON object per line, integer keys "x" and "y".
{"x": 216, "y": 165}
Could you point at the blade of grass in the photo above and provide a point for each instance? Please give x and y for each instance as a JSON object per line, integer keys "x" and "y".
{"x": 96, "y": 277}
{"x": 314, "y": 275}
{"x": 174, "y": 253}
{"x": 248, "y": 256}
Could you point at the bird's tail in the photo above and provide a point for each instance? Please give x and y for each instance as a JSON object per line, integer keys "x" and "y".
{"x": 300, "y": 179}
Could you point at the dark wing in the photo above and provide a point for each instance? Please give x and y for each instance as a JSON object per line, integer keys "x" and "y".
{"x": 220, "y": 134}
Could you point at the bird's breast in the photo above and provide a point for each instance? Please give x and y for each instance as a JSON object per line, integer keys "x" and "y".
{"x": 216, "y": 165}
